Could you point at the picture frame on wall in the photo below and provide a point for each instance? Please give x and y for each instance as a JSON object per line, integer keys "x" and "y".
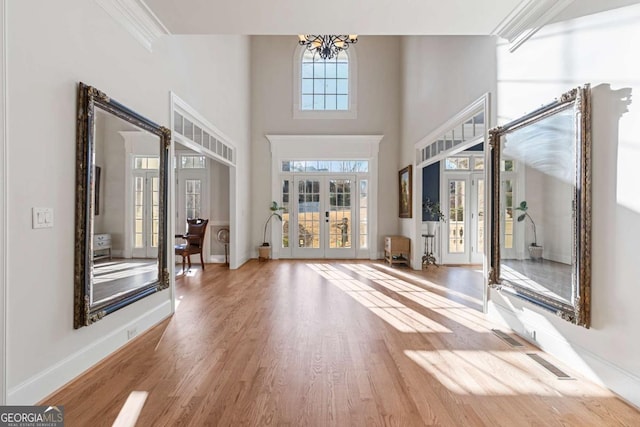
{"x": 405, "y": 192}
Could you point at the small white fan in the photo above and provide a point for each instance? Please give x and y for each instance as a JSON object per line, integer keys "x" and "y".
{"x": 223, "y": 238}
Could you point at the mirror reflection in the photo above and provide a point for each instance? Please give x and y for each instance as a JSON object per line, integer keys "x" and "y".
{"x": 541, "y": 206}
{"x": 537, "y": 176}
{"x": 121, "y": 207}
{"x": 126, "y": 207}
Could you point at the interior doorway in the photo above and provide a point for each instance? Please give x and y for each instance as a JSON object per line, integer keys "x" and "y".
{"x": 202, "y": 191}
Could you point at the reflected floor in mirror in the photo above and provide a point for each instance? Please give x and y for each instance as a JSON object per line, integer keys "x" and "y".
{"x": 331, "y": 343}
{"x": 550, "y": 278}
{"x": 113, "y": 277}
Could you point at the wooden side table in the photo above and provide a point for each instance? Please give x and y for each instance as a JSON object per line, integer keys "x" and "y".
{"x": 397, "y": 250}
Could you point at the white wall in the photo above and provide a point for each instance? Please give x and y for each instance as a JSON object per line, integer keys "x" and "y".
{"x": 441, "y": 76}
{"x": 378, "y": 113}
{"x": 52, "y": 46}
{"x": 597, "y": 49}
{"x": 550, "y": 205}
{"x": 219, "y": 203}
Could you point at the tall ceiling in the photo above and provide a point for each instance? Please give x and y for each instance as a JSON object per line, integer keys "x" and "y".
{"x": 384, "y": 17}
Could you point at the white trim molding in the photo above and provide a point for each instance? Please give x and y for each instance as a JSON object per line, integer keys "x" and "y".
{"x": 4, "y": 253}
{"x": 136, "y": 17}
{"x": 526, "y": 19}
{"x": 351, "y": 113}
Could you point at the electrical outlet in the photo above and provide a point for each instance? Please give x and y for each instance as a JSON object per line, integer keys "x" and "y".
{"x": 532, "y": 334}
{"x": 132, "y": 332}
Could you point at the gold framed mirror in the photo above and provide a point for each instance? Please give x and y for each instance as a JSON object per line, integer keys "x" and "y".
{"x": 121, "y": 207}
{"x": 541, "y": 207}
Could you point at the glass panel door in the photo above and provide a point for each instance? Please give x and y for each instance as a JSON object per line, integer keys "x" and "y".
{"x": 340, "y": 217}
{"x": 146, "y": 214}
{"x": 465, "y": 233}
{"x": 308, "y": 231}
{"x": 477, "y": 219}
{"x": 507, "y": 212}
{"x": 457, "y": 203}
{"x": 323, "y": 217}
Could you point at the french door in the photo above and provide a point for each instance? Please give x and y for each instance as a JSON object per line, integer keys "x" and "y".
{"x": 146, "y": 214}
{"x": 323, "y": 217}
{"x": 465, "y": 210}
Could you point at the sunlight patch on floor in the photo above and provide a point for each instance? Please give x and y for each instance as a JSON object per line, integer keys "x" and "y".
{"x": 392, "y": 311}
{"x": 444, "y": 306}
{"x": 520, "y": 279}
{"x": 496, "y": 373}
{"x": 109, "y": 271}
{"x": 424, "y": 282}
{"x": 131, "y": 409}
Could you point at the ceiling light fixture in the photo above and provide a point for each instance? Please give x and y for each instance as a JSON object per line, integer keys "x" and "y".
{"x": 327, "y": 46}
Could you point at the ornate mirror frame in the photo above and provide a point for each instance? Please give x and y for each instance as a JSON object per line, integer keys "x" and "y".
{"x": 86, "y": 313}
{"x": 577, "y": 310}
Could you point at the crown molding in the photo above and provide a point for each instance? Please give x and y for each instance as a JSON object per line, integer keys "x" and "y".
{"x": 136, "y": 17}
{"x": 527, "y": 18}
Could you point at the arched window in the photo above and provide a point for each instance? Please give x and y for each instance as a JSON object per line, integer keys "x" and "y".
{"x": 325, "y": 87}
{"x": 325, "y": 82}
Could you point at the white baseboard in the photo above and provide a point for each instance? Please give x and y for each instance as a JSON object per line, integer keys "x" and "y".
{"x": 620, "y": 381}
{"x": 46, "y": 382}
{"x": 216, "y": 259}
{"x": 242, "y": 259}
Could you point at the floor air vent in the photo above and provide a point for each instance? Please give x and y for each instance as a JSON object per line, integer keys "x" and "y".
{"x": 506, "y": 338}
{"x": 549, "y": 367}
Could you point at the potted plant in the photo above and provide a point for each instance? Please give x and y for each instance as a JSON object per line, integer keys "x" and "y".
{"x": 264, "y": 250}
{"x": 434, "y": 214}
{"x": 535, "y": 251}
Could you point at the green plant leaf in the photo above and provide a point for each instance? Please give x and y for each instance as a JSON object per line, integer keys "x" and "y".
{"x": 522, "y": 217}
{"x": 278, "y": 216}
{"x": 523, "y": 205}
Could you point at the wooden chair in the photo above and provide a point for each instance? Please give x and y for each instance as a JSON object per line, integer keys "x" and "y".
{"x": 196, "y": 230}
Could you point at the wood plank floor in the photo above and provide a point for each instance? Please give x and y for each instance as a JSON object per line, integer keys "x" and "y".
{"x": 311, "y": 343}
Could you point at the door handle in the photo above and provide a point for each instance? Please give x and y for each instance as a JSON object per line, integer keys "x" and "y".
{"x": 326, "y": 216}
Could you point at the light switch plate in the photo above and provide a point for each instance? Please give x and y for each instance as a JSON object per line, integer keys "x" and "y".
{"x": 42, "y": 217}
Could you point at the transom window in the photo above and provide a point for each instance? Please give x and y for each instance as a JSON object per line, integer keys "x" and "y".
{"x": 457, "y": 163}
{"x": 460, "y": 163}
{"x": 342, "y": 166}
{"x": 141, "y": 162}
{"x": 192, "y": 162}
{"x": 325, "y": 82}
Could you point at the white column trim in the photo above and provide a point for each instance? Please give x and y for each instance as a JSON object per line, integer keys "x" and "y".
{"x": 4, "y": 294}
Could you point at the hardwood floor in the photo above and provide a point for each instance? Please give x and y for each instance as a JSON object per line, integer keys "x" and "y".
{"x": 313, "y": 343}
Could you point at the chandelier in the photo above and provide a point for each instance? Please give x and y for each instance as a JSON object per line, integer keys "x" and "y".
{"x": 327, "y": 46}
